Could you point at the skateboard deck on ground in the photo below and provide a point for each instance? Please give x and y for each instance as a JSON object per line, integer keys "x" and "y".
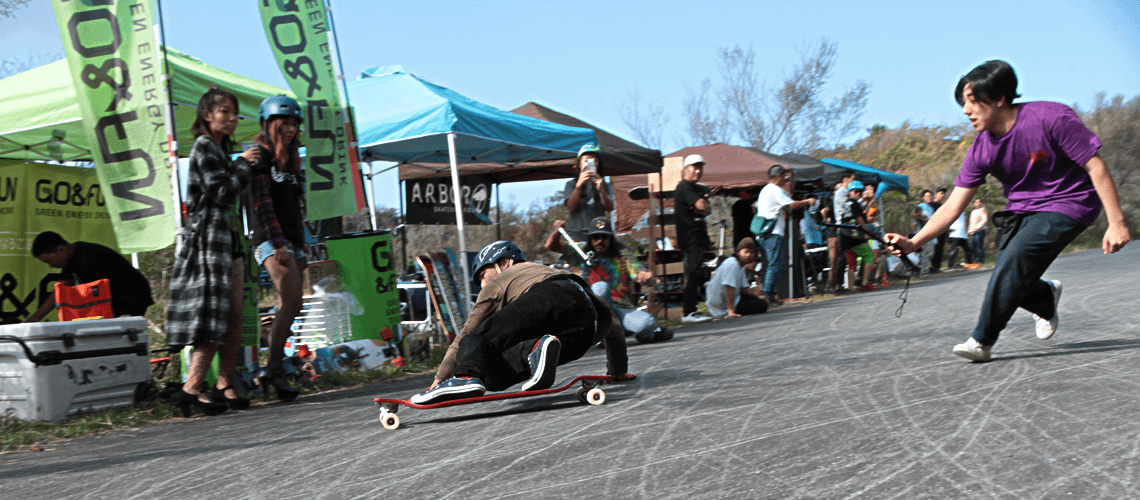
{"x": 590, "y": 392}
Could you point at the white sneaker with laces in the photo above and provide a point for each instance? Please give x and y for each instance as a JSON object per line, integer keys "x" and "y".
{"x": 694, "y": 317}
{"x": 972, "y": 350}
{"x": 1047, "y": 327}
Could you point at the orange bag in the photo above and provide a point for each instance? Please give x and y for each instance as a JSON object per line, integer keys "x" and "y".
{"x": 87, "y": 301}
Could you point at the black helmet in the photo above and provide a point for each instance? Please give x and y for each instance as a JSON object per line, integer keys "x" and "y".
{"x": 491, "y": 254}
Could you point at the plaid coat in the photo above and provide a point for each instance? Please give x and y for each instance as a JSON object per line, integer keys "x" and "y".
{"x": 199, "y": 305}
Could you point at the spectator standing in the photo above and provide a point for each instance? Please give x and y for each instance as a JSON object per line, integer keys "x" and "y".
{"x": 922, "y": 214}
{"x": 730, "y": 293}
{"x": 84, "y": 262}
{"x": 589, "y": 196}
{"x": 940, "y": 242}
{"x": 278, "y": 192}
{"x": 855, "y": 241}
{"x": 978, "y": 220}
{"x": 772, "y": 207}
{"x": 1056, "y": 183}
{"x": 612, "y": 277}
{"x": 205, "y": 301}
{"x": 690, "y": 207}
{"x": 958, "y": 241}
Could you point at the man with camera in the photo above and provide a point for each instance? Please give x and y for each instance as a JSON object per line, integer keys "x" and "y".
{"x": 589, "y": 196}
{"x": 772, "y": 209}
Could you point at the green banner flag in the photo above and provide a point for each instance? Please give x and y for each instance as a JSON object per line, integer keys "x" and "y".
{"x": 37, "y": 197}
{"x": 117, "y": 72}
{"x": 298, "y": 34}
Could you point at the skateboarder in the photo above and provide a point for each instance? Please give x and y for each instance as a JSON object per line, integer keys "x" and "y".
{"x": 1056, "y": 184}
{"x": 527, "y": 320}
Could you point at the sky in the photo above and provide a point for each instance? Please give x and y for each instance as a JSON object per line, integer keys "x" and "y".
{"x": 585, "y": 58}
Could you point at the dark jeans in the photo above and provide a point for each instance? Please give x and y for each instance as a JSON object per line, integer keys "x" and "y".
{"x": 694, "y": 256}
{"x": 496, "y": 351}
{"x": 777, "y": 261}
{"x": 955, "y": 244}
{"x": 978, "y": 246}
{"x": 1016, "y": 281}
{"x": 936, "y": 257}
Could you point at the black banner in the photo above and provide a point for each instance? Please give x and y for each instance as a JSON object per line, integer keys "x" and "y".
{"x": 430, "y": 201}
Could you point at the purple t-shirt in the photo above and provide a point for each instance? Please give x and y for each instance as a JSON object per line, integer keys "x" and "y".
{"x": 1039, "y": 162}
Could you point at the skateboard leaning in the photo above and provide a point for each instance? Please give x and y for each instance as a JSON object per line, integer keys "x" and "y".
{"x": 590, "y": 392}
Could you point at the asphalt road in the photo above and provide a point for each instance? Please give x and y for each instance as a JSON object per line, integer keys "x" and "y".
{"x": 835, "y": 399}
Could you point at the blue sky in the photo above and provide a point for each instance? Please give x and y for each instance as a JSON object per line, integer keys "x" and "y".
{"x": 584, "y": 58}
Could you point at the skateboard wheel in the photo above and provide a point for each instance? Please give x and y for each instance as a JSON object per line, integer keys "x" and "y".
{"x": 581, "y": 395}
{"x": 389, "y": 420}
{"x": 596, "y": 396}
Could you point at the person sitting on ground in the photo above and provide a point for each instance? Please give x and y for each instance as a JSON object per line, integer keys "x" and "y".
{"x": 84, "y": 262}
{"x": 730, "y": 293}
{"x": 528, "y": 319}
{"x": 589, "y": 195}
{"x": 611, "y": 278}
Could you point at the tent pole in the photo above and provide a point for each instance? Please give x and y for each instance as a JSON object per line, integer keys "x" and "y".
{"x": 371, "y": 199}
{"x": 458, "y": 199}
{"x": 171, "y": 135}
{"x": 498, "y": 212}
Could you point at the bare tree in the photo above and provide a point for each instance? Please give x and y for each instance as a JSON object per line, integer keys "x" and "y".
{"x": 700, "y": 124}
{"x": 791, "y": 116}
{"x": 646, "y": 122}
{"x": 8, "y": 7}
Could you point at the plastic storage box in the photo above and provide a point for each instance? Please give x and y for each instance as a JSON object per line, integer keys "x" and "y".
{"x": 51, "y": 370}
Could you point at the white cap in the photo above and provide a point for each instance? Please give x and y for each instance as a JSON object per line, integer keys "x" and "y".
{"x": 693, "y": 159}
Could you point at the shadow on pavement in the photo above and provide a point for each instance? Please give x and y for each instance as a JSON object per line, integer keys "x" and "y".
{"x": 1079, "y": 348}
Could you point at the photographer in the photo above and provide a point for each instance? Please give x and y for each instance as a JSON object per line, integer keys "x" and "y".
{"x": 771, "y": 219}
{"x": 589, "y": 196}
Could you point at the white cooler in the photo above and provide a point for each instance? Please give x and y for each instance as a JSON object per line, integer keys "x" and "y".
{"x": 51, "y": 370}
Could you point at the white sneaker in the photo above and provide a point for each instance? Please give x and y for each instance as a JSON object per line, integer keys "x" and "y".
{"x": 694, "y": 317}
{"x": 973, "y": 351}
{"x": 1047, "y": 327}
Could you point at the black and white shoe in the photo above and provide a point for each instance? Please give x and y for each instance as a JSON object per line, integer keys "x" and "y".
{"x": 449, "y": 390}
{"x": 543, "y": 361}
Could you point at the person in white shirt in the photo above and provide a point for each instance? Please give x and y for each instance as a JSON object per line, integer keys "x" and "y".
{"x": 730, "y": 293}
{"x": 772, "y": 209}
{"x": 978, "y": 220}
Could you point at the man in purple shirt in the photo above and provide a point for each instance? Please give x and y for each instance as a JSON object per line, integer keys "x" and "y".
{"x": 1056, "y": 184}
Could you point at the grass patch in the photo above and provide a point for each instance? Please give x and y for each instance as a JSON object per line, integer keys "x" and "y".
{"x": 22, "y": 436}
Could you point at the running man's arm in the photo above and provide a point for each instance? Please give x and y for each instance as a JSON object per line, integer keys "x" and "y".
{"x": 1117, "y": 234}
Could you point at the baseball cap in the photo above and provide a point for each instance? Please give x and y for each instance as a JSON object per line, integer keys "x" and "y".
{"x": 693, "y": 159}
{"x": 601, "y": 225}
{"x": 590, "y": 148}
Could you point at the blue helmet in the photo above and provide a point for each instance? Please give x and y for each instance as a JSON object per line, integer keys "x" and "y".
{"x": 855, "y": 186}
{"x": 491, "y": 254}
{"x": 280, "y": 105}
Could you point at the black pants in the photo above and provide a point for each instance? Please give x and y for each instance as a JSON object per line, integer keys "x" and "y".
{"x": 955, "y": 244}
{"x": 496, "y": 351}
{"x": 694, "y": 256}
{"x": 936, "y": 259}
{"x": 751, "y": 305}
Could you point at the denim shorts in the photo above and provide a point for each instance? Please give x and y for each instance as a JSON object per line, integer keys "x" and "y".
{"x": 265, "y": 251}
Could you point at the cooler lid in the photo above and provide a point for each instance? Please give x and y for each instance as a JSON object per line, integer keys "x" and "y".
{"x": 52, "y": 330}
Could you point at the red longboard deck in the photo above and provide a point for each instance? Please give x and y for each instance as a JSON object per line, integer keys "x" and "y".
{"x": 496, "y": 397}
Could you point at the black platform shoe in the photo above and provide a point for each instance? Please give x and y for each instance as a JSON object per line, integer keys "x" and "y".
{"x": 184, "y": 400}
{"x": 238, "y": 403}
{"x": 285, "y": 392}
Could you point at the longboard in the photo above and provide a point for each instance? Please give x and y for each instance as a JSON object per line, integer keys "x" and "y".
{"x": 590, "y": 393}
{"x": 457, "y": 275}
{"x": 451, "y": 290}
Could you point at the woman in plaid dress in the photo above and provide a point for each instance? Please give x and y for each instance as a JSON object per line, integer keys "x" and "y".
{"x": 202, "y": 288}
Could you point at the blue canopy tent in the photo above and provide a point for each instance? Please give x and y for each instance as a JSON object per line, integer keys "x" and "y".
{"x": 429, "y": 130}
{"x": 886, "y": 181}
